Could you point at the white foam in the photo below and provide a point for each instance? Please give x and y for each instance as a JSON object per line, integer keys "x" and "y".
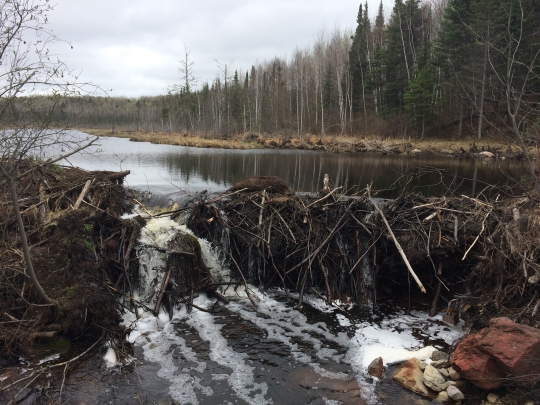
{"x": 110, "y": 358}
{"x": 49, "y": 358}
{"x": 241, "y": 380}
{"x": 285, "y": 325}
{"x": 156, "y": 336}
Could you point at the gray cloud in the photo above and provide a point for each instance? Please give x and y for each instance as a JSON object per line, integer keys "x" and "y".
{"x": 133, "y": 46}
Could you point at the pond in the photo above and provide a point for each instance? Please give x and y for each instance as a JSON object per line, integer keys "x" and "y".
{"x": 168, "y": 169}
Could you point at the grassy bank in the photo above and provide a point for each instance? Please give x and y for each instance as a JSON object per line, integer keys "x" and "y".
{"x": 336, "y": 144}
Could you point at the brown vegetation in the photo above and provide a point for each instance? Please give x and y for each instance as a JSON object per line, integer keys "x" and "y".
{"x": 74, "y": 237}
{"x": 335, "y": 144}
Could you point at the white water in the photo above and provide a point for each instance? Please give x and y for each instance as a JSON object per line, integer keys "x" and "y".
{"x": 354, "y": 343}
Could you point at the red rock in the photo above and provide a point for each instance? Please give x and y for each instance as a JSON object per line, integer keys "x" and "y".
{"x": 503, "y": 353}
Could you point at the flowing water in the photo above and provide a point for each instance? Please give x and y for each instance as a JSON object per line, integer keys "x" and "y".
{"x": 273, "y": 353}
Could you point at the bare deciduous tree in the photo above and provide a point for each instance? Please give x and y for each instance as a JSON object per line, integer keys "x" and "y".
{"x": 33, "y": 83}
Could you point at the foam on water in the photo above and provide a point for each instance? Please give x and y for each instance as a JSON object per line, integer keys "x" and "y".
{"x": 156, "y": 336}
{"x": 397, "y": 337}
{"x": 241, "y": 380}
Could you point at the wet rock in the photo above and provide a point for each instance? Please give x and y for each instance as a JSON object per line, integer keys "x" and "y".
{"x": 440, "y": 363}
{"x": 433, "y": 379}
{"x": 492, "y": 398}
{"x": 447, "y": 384}
{"x": 336, "y": 389}
{"x": 453, "y": 374}
{"x": 411, "y": 377}
{"x": 454, "y": 393}
{"x": 502, "y": 349}
{"x": 443, "y": 397}
{"x": 438, "y": 355}
{"x": 376, "y": 367}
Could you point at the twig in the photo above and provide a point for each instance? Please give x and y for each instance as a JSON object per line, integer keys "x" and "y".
{"x": 83, "y": 194}
{"x": 360, "y": 223}
{"x": 243, "y": 278}
{"x": 478, "y": 236}
{"x": 162, "y": 291}
{"x": 328, "y": 238}
{"x": 325, "y": 197}
{"x": 285, "y": 223}
{"x": 398, "y": 246}
{"x": 365, "y": 253}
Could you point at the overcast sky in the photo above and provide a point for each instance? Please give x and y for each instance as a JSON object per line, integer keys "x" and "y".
{"x": 133, "y": 46}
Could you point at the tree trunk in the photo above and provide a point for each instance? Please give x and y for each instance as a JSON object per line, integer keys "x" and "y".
{"x": 482, "y": 94}
{"x": 26, "y": 251}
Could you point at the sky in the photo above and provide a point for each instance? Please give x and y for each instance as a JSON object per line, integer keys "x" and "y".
{"x": 132, "y": 48}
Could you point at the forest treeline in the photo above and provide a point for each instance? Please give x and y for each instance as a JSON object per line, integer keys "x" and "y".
{"x": 440, "y": 67}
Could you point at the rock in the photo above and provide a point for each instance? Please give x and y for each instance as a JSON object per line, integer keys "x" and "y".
{"x": 503, "y": 353}
{"x": 492, "y": 398}
{"x": 486, "y": 154}
{"x": 439, "y": 363}
{"x": 444, "y": 372}
{"x": 411, "y": 377}
{"x": 454, "y": 393}
{"x": 433, "y": 379}
{"x": 376, "y": 367}
{"x": 446, "y": 151}
{"x": 422, "y": 365}
{"x": 447, "y": 384}
{"x": 416, "y": 151}
{"x": 443, "y": 397}
{"x": 438, "y": 355}
{"x": 453, "y": 374}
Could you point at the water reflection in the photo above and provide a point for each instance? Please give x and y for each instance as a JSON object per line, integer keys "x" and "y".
{"x": 165, "y": 168}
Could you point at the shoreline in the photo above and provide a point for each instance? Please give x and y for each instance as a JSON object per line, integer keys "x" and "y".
{"x": 463, "y": 148}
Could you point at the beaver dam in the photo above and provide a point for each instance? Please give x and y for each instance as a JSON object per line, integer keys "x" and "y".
{"x": 459, "y": 257}
{"x": 361, "y": 249}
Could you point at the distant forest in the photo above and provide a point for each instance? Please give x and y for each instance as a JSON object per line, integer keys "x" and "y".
{"x": 443, "y": 68}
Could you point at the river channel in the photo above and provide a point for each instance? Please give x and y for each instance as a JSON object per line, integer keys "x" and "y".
{"x": 274, "y": 353}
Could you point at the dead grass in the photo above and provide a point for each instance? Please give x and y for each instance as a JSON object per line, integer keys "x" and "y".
{"x": 331, "y": 143}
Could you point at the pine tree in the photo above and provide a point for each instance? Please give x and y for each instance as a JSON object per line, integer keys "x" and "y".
{"x": 419, "y": 99}
{"x": 359, "y": 62}
{"x": 402, "y": 39}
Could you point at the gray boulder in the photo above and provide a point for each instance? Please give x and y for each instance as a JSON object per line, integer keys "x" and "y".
{"x": 433, "y": 379}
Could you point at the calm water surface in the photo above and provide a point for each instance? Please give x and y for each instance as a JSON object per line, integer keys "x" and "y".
{"x": 168, "y": 168}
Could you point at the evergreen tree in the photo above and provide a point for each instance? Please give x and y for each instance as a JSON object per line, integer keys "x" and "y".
{"x": 419, "y": 100}
{"x": 359, "y": 60}
{"x": 402, "y": 38}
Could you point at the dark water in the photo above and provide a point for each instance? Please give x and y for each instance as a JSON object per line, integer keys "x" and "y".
{"x": 167, "y": 169}
{"x": 274, "y": 354}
